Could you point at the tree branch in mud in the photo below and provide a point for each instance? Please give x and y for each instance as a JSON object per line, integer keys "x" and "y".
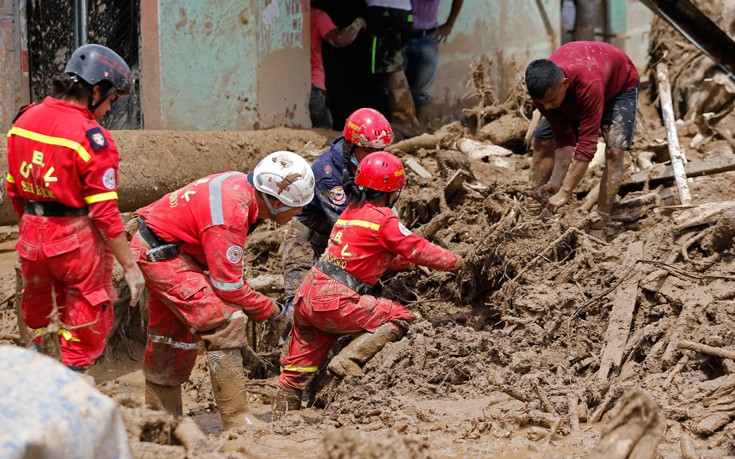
{"x": 704, "y": 349}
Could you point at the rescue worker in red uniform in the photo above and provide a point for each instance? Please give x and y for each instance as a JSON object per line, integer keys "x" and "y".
{"x": 62, "y": 181}
{"x": 366, "y": 131}
{"x": 334, "y": 299}
{"x": 190, "y": 248}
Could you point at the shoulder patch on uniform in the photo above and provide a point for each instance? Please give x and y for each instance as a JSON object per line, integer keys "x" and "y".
{"x": 234, "y": 254}
{"x": 97, "y": 138}
{"x": 405, "y": 231}
{"x": 337, "y": 196}
{"x": 108, "y": 180}
{"x": 327, "y": 169}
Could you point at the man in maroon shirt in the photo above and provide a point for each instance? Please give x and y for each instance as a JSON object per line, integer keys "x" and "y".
{"x": 583, "y": 89}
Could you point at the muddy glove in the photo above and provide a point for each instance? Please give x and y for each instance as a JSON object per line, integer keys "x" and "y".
{"x": 286, "y": 306}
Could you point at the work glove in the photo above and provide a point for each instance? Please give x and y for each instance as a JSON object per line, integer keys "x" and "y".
{"x": 286, "y": 306}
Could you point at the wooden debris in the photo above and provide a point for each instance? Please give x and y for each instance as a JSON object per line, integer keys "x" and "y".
{"x": 535, "y": 118}
{"x": 267, "y": 283}
{"x": 418, "y": 168}
{"x": 455, "y": 183}
{"x": 704, "y": 349}
{"x": 591, "y": 199}
{"x": 25, "y": 336}
{"x": 663, "y": 173}
{"x": 634, "y": 432}
{"x": 440, "y": 221}
{"x": 702, "y": 214}
{"x": 721, "y": 236}
{"x": 621, "y": 316}
{"x": 677, "y": 155}
{"x": 480, "y": 150}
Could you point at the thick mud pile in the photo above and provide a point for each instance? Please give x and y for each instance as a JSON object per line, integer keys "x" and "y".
{"x": 548, "y": 343}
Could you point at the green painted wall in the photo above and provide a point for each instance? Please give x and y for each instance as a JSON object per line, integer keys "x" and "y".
{"x": 217, "y": 58}
{"x": 499, "y": 30}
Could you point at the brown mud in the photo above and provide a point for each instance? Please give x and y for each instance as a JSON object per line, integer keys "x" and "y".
{"x": 548, "y": 343}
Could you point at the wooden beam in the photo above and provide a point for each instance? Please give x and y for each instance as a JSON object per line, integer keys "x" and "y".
{"x": 662, "y": 173}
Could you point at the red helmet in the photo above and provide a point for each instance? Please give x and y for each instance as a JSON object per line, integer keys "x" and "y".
{"x": 369, "y": 129}
{"x": 381, "y": 171}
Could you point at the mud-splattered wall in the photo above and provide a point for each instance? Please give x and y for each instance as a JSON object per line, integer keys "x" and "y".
{"x": 503, "y": 31}
{"x": 14, "y": 88}
{"x": 225, "y": 65}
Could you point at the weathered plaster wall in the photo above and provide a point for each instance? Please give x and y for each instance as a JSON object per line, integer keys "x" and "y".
{"x": 14, "y": 85}
{"x": 498, "y": 30}
{"x": 225, "y": 65}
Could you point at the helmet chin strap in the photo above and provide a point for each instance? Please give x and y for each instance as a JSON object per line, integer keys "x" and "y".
{"x": 392, "y": 203}
{"x": 273, "y": 210}
{"x": 94, "y": 106}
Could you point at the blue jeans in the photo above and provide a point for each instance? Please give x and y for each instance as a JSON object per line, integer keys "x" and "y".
{"x": 421, "y": 59}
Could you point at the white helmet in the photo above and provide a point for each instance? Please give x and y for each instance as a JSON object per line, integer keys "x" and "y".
{"x": 287, "y": 177}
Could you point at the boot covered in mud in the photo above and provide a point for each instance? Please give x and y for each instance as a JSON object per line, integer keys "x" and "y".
{"x": 164, "y": 398}
{"x": 402, "y": 108}
{"x": 228, "y": 386}
{"x": 361, "y": 349}
{"x": 287, "y": 400}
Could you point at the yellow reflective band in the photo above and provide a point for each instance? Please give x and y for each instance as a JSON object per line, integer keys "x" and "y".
{"x": 361, "y": 223}
{"x": 101, "y": 197}
{"x": 66, "y": 334}
{"x": 10, "y": 178}
{"x": 301, "y": 369}
{"x": 48, "y": 140}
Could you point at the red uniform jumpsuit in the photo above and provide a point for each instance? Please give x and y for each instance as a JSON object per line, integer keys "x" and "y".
{"x": 59, "y": 155}
{"x": 365, "y": 242}
{"x": 211, "y": 218}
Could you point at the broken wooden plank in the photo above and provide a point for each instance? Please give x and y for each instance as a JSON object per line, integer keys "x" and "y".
{"x": 418, "y": 168}
{"x": 704, "y": 349}
{"x": 675, "y": 152}
{"x": 663, "y": 173}
{"x": 621, "y": 315}
{"x": 709, "y": 212}
{"x": 455, "y": 183}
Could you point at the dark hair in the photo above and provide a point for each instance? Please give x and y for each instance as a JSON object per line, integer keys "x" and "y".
{"x": 359, "y": 195}
{"x": 541, "y": 75}
{"x": 67, "y": 85}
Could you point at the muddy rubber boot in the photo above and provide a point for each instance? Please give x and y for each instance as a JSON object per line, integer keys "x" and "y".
{"x": 228, "y": 386}
{"x": 164, "y": 398}
{"x": 402, "y": 108}
{"x": 361, "y": 349}
{"x": 287, "y": 400}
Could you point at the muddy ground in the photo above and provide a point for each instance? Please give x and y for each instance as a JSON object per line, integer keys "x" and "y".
{"x": 548, "y": 343}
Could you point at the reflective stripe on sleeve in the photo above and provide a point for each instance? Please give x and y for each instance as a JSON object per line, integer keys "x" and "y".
{"x": 215, "y": 198}
{"x": 48, "y": 140}
{"x": 10, "y": 178}
{"x": 175, "y": 344}
{"x": 226, "y": 286}
{"x": 361, "y": 223}
{"x": 109, "y": 196}
{"x": 301, "y": 369}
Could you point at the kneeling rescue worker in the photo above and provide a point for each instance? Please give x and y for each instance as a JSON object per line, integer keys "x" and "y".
{"x": 202, "y": 227}
{"x": 62, "y": 181}
{"x": 334, "y": 299}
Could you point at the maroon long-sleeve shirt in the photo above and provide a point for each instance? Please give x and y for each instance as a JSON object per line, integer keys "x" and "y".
{"x": 597, "y": 72}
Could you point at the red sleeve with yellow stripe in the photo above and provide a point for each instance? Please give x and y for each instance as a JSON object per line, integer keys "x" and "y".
{"x": 99, "y": 183}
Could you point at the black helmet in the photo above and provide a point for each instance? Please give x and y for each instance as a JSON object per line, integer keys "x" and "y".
{"x": 96, "y": 63}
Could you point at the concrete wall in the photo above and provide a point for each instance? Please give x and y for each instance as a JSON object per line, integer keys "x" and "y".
{"x": 498, "y": 30}
{"x": 14, "y": 86}
{"x": 223, "y": 64}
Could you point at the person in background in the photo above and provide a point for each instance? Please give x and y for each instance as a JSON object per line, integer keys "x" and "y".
{"x": 62, "y": 181}
{"x": 421, "y": 56}
{"x": 190, "y": 246}
{"x": 323, "y": 29}
{"x": 389, "y": 24}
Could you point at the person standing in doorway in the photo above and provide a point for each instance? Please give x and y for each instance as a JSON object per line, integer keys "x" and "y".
{"x": 323, "y": 29}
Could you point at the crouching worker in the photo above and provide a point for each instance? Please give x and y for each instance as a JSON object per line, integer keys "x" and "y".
{"x": 334, "y": 298}
{"x": 190, "y": 248}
